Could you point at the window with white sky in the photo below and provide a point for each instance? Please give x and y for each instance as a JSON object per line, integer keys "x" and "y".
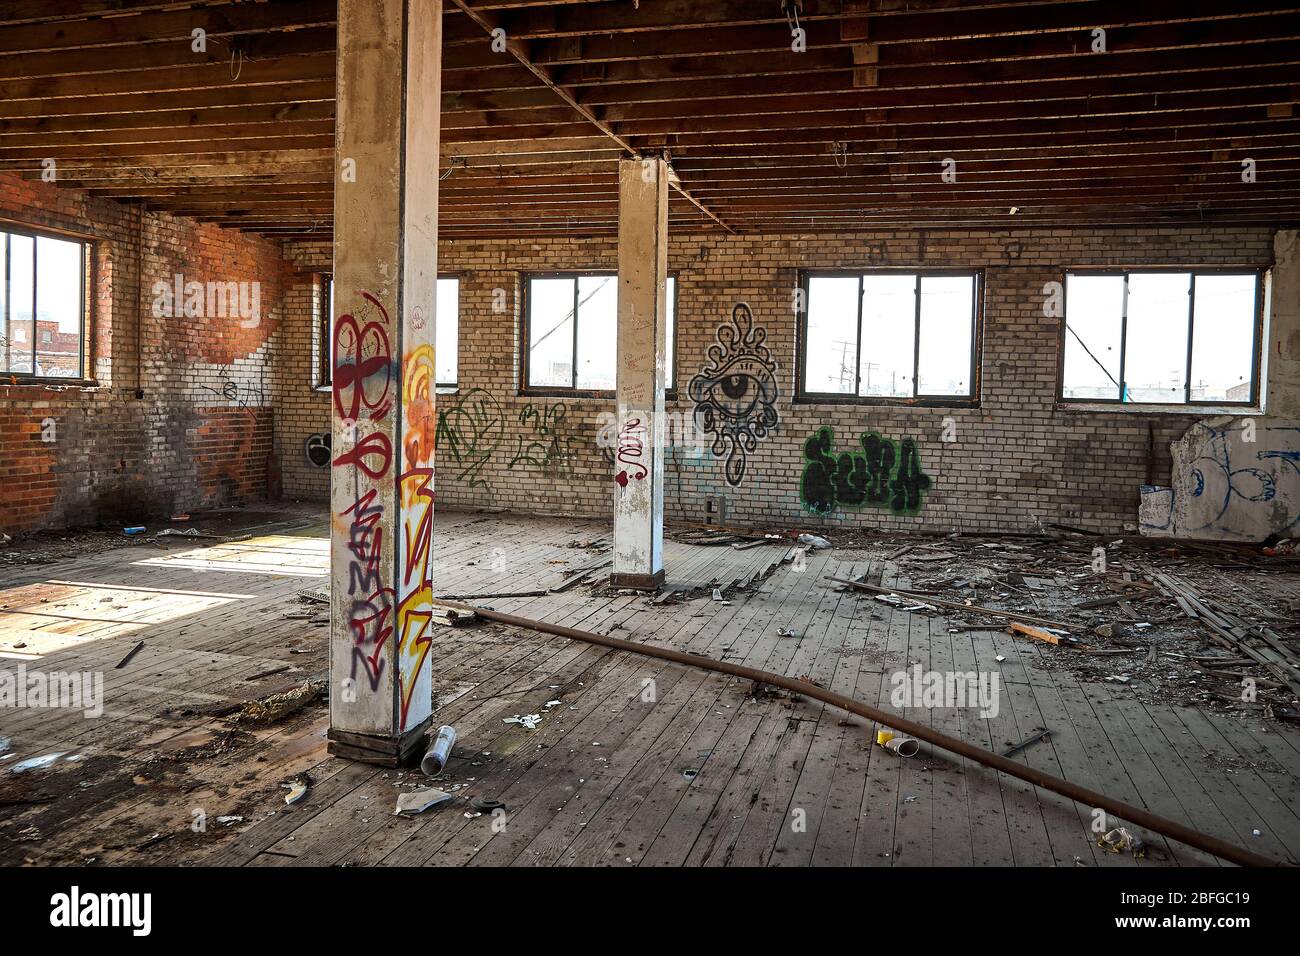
{"x": 446, "y": 344}
{"x": 573, "y": 332}
{"x": 42, "y": 305}
{"x": 1167, "y": 338}
{"x": 890, "y": 335}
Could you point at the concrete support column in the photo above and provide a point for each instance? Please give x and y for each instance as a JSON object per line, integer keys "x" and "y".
{"x": 642, "y": 327}
{"x": 385, "y": 284}
{"x": 1282, "y": 350}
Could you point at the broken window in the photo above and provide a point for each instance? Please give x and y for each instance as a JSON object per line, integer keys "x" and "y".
{"x": 1161, "y": 337}
{"x": 446, "y": 345}
{"x": 571, "y": 330}
{"x": 42, "y": 305}
{"x": 889, "y": 336}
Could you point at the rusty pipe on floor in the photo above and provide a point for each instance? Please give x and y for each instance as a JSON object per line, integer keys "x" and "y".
{"x": 1089, "y": 798}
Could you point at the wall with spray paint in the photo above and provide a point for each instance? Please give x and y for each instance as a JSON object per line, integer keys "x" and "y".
{"x": 179, "y": 415}
{"x": 1233, "y": 480}
{"x": 1015, "y": 461}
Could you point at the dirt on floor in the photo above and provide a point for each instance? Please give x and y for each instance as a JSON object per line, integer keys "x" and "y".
{"x": 210, "y": 772}
{"x": 210, "y": 527}
{"x": 1131, "y": 611}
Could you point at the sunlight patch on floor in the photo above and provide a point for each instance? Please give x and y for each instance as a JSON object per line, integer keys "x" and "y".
{"x": 49, "y": 616}
{"x": 273, "y": 554}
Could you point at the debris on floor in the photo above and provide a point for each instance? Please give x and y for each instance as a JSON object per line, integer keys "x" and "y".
{"x": 1203, "y": 623}
{"x": 1120, "y": 839}
{"x": 297, "y": 788}
{"x": 36, "y": 763}
{"x": 276, "y": 707}
{"x": 417, "y": 801}
{"x": 435, "y": 758}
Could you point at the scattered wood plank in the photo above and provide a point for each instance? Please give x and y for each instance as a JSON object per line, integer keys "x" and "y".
{"x": 1036, "y": 633}
{"x": 129, "y": 654}
{"x": 924, "y": 598}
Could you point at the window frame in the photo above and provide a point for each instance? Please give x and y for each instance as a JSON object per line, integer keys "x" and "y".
{"x": 525, "y": 332}
{"x": 803, "y": 396}
{"x": 1256, "y": 358}
{"x": 324, "y": 340}
{"x": 85, "y": 317}
{"x": 325, "y": 321}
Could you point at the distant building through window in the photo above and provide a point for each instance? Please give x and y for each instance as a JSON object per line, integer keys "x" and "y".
{"x": 882, "y": 337}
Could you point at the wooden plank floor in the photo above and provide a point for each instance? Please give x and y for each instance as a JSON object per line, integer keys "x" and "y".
{"x": 642, "y": 763}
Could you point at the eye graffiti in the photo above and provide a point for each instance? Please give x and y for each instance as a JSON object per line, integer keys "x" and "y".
{"x": 882, "y": 474}
{"x": 735, "y": 394}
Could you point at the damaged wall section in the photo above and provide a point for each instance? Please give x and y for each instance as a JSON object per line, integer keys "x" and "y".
{"x": 177, "y": 412}
{"x": 1233, "y": 480}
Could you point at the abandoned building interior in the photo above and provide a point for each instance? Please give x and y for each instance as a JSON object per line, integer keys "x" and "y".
{"x": 863, "y": 433}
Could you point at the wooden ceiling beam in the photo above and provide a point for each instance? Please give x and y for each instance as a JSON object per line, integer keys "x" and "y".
{"x": 815, "y": 122}
{"x": 321, "y": 90}
{"x": 163, "y": 119}
{"x": 174, "y": 55}
{"x": 910, "y": 111}
{"x": 490, "y": 22}
{"x": 307, "y": 68}
{"x": 1033, "y": 79}
{"x": 173, "y": 25}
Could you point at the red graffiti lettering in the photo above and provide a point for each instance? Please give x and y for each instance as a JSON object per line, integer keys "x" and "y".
{"x": 374, "y": 444}
{"x": 370, "y": 622}
{"x": 631, "y": 446}
{"x": 363, "y": 365}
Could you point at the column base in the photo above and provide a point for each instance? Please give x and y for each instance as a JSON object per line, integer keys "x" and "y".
{"x": 384, "y": 751}
{"x": 638, "y": 582}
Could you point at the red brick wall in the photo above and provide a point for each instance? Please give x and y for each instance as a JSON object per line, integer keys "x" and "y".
{"x": 179, "y": 416}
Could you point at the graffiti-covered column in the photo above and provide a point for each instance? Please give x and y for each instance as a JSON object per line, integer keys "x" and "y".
{"x": 642, "y": 324}
{"x": 385, "y": 280}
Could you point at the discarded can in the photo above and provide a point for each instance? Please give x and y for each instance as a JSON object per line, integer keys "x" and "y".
{"x": 435, "y": 758}
{"x": 903, "y": 746}
{"x": 138, "y": 529}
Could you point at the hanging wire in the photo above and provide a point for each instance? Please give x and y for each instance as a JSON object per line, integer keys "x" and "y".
{"x": 791, "y": 10}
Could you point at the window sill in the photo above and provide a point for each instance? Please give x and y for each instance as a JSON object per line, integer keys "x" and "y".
{"x": 1139, "y": 408}
{"x": 851, "y": 400}
{"x": 575, "y": 394}
{"x": 50, "y": 384}
{"x": 441, "y": 389}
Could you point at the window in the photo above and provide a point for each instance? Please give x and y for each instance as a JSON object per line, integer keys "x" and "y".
{"x": 889, "y": 337}
{"x": 446, "y": 346}
{"x": 571, "y": 327}
{"x": 1161, "y": 338}
{"x": 42, "y": 305}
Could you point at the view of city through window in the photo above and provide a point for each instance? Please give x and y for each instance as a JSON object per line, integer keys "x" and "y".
{"x": 41, "y": 304}
{"x": 890, "y": 335}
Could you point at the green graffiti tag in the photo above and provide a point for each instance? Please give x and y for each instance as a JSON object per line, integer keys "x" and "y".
{"x": 469, "y": 432}
{"x": 542, "y": 444}
{"x": 883, "y": 474}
